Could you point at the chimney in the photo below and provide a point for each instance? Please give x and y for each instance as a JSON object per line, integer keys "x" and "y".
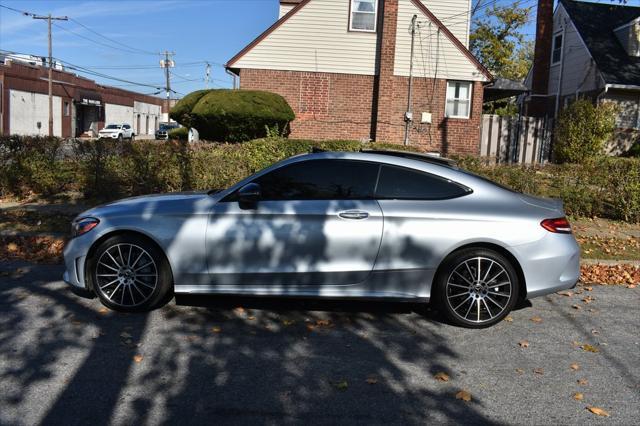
{"x": 538, "y": 106}
{"x": 384, "y": 90}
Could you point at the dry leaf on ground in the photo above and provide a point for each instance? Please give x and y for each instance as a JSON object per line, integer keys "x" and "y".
{"x": 575, "y": 366}
{"x": 463, "y": 395}
{"x": 137, "y": 358}
{"x": 538, "y": 371}
{"x": 372, "y": 380}
{"x": 441, "y": 376}
{"x": 523, "y": 344}
{"x": 578, "y": 396}
{"x": 598, "y": 411}
{"x": 590, "y": 348}
{"x": 216, "y": 329}
{"x": 583, "y": 382}
{"x": 536, "y": 319}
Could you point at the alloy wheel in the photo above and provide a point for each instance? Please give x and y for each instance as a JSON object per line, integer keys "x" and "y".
{"x": 478, "y": 290}
{"x": 126, "y": 274}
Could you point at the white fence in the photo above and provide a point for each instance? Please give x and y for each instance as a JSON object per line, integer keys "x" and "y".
{"x": 516, "y": 139}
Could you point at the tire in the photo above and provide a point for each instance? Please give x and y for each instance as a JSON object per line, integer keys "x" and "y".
{"x": 130, "y": 274}
{"x": 120, "y": 138}
{"x": 471, "y": 300}
{"x": 132, "y": 138}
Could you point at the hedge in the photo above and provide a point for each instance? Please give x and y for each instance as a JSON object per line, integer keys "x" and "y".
{"x": 105, "y": 170}
{"x": 234, "y": 115}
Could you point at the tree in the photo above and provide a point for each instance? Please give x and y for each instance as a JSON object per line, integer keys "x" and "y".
{"x": 498, "y": 42}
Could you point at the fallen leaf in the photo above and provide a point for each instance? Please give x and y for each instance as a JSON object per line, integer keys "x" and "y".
{"x": 519, "y": 371}
{"x": 575, "y": 366}
{"x": 578, "y": 396}
{"x": 598, "y": 411}
{"x": 323, "y": 323}
{"x": 463, "y": 395}
{"x": 538, "y": 371}
{"x": 12, "y": 247}
{"x": 536, "y": 319}
{"x": 565, "y": 293}
{"x": 216, "y": 329}
{"x": 441, "y": 376}
{"x": 372, "y": 380}
{"x": 594, "y": 331}
{"x": 509, "y": 319}
{"x": 583, "y": 382}
{"x": 631, "y": 286}
{"x": 590, "y": 348}
{"x": 239, "y": 310}
{"x": 576, "y": 307}
{"x": 523, "y": 344}
{"x": 137, "y": 358}
{"x": 251, "y": 318}
{"x": 103, "y": 311}
{"x": 588, "y": 288}
{"x": 311, "y": 327}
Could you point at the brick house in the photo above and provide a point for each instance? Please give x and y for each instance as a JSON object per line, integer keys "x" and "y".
{"x": 344, "y": 66}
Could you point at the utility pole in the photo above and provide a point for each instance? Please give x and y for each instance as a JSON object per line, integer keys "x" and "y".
{"x": 408, "y": 115}
{"x": 167, "y": 63}
{"x": 207, "y": 75}
{"x": 50, "y": 18}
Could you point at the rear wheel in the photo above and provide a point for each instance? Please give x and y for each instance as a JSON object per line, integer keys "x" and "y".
{"x": 476, "y": 287}
{"x": 130, "y": 274}
{"x": 120, "y": 138}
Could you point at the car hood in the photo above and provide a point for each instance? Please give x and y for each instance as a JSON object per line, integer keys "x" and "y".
{"x": 146, "y": 205}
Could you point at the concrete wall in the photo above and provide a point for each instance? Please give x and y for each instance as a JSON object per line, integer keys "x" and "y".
{"x": 118, "y": 114}
{"x": 27, "y": 109}
{"x": 146, "y": 118}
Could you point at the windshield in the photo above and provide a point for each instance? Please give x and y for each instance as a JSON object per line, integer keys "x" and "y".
{"x": 113, "y": 126}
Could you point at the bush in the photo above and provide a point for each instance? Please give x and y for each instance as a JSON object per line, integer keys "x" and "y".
{"x": 234, "y": 115}
{"x": 105, "y": 170}
{"x": 582, "y": 131}
{"x": 179, "y": 134}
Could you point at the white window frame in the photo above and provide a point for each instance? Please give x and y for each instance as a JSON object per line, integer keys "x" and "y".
{"x": 553, "y": 47}
{"x": 446, "y": 99}
{"x": 375, "y": 17}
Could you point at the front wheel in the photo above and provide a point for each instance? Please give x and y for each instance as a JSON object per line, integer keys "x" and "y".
{"x": 130, "y": 274}
{"x": 476, "y": 288}
{"x": 120, "y": 138}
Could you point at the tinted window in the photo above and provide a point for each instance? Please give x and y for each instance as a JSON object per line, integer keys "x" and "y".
{"x": 401, "y": 183}
{"x": 320, "y": 180}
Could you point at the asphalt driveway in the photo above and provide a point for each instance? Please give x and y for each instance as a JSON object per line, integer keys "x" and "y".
{"x": 65, "y": 360}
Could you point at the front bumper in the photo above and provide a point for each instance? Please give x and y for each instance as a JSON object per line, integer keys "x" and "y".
{"x": 75, "y": 255}
{"x": 108, "y": 135}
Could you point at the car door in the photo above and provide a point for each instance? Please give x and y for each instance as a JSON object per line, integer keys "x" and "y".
{"x": 315, "y": 224}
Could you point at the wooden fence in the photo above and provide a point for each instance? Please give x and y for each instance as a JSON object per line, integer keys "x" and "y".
{"x": 516, "y": 139}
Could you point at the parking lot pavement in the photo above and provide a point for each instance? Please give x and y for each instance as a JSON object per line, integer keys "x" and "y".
{"x": 66, "y": 360}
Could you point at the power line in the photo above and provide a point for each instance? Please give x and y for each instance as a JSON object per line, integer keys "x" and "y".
{"x": 112, "y": 40}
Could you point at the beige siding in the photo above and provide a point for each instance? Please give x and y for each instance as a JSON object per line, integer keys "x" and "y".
{"x": 454, "y": 14}
{"x": 435, "y": 55}
{"x": 315, "y": 39}
{"x": 284, "y": 9}
{"x": 579, "y": 71}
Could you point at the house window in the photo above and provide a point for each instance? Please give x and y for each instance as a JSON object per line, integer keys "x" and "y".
{"x": 67, "y": 109}
{"x": 556, "y": 54}
{"x": 458, "y": 99}
{"x": 363, "y": 15}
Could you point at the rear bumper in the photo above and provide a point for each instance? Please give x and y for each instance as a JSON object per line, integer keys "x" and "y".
{"x": 549, "y": 265}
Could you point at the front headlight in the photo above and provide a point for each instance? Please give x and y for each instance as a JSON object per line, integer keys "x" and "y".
{"x": 83, "y": 225}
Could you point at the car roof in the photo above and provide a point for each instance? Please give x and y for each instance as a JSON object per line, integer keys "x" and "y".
{"x": 427, "y": 158}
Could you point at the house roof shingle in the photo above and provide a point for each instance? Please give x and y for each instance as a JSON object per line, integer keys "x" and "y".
{"x": 596, "y": 23}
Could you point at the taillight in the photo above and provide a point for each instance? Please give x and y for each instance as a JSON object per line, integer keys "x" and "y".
{"x": 558, "y": 225}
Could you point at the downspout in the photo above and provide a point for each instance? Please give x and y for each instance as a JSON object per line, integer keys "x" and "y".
{"x": 233, "y": 75}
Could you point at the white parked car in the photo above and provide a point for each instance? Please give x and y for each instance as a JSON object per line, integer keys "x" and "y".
{"x": 117, "y": 131}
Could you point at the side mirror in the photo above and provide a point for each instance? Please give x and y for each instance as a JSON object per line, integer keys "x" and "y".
{"x": 249, "y": 195}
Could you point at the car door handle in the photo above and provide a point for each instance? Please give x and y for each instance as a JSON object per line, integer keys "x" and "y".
{"x": 353, "y": 214}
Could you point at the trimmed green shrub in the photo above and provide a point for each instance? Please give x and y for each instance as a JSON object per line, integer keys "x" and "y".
{"x": 234, "y": 115}
{"x": 179, "y": 134}
{"x": 582, "y": 131}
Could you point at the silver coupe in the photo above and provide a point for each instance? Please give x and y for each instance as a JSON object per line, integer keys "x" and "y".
{"x": 372, "y": 224}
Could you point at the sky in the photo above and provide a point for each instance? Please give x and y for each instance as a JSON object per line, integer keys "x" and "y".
{"x": 122, "y": 38}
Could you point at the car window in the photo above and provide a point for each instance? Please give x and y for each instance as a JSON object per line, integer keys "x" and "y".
{"x": 112, "y": 126}
{"x": 126, "y": 126}
{"x": 402, "y": 183}
{"x": 320, "y": 180}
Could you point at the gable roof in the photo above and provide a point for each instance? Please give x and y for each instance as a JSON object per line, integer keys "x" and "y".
{"x": 301, "y": 3}
{"x": 596, "y": 23}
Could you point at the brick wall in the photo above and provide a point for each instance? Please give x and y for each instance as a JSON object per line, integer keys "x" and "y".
{"x": 327, "y": 106}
